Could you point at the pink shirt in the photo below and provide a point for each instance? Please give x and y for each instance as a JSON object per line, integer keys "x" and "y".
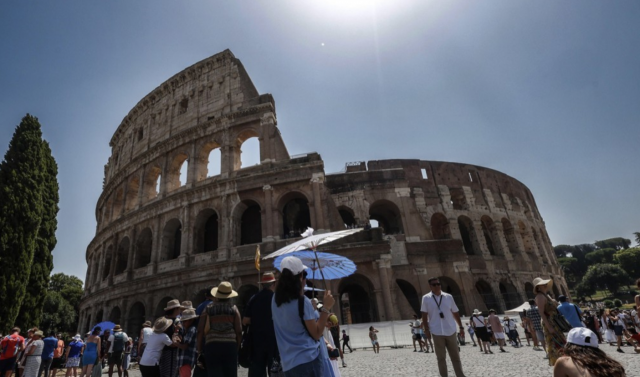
{"x": 494, "y": 321}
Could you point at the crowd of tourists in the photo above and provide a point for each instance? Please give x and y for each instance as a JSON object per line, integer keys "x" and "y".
{"x": 284, "y": 333}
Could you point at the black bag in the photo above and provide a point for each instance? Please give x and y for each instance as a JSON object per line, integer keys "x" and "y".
{"x": 334, "y": 353}
{"x": 561, "y": 322}
{"x": 246, "y": 346}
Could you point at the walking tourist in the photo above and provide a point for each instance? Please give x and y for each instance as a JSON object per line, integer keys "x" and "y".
{"x": 526, "y": 325}
{"x": 22, "y": 358}
{"x": 72, "y": 354}
{"x": 538, "y": 335}
{"x": 331, "y": 363}
{"x": 11, "y": 346}
{"x": 547, "y": 308}
{"x": 92, "y": 352}
{"x": 144, "y": 335}
{"x": 208, "y": 299}
{"x": 126, "y": 359}
{"x": 618, "y": 327}
{"x": 415, "y": 334}
{"x": 480, "y": 326}
{"x": 117, "y": 343}
{"x": 156, "y": 342}
{"x": 583, "y": 358}
{"x": 50, "y": 344}
{"x": 607, "y": 325}
{"x": 345, "y": 341}
{"x": 221, "y": 328}
{"x": 33, "y": 355}
{"x": 439, "y": 317}
{"x": 57, "y": 356}
{"x": 187, "y": 347}
{"x": 511, "y": 327}
{"x": 471, "y": 332}
{"x": 496, "y": 327}
{"x": 634, "y": 340}
{"x": 373, "y": 335}
{"x": 257, "y": 315}
{"x": 571, "y": 312}
{"x": 168, "y": 359}
{"x": 334, "y": 329}
{"x": 297, "y": 325}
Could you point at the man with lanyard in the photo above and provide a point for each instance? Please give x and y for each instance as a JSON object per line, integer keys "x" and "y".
{"x": 439, "y": 318}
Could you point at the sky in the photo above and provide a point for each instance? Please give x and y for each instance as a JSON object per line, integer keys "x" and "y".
{"x": 547, "y": 92}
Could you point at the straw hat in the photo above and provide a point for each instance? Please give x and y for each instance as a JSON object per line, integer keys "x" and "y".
{"x": 187, "y": 305}
{"x": 224, "y": 290}
{"x": 476, "y": 312}
{"x": 38, "y": 333}
{"x": 188, "y": 314}
{"x": 267, "y": 277}
{"x": 173, "y": 304}
{"x": 117, "y": 328}
{"x": 541, "y": 281}
{"x": 146, "y": 324}
{"x": 162, "y": 324}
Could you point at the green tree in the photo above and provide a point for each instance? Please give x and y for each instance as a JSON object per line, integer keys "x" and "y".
{"x": 617, "y": 243}
{"x": 562, "y": 251}
{"x": 584, "y": 289}
{"x": 601, "y": 256}
{"x": 571, "y": 271}
{"x": 31, "y": 309}
{"x": 608, "y": 276}
{"x": 58, "y": 314}
{"x": 637, "y": 234}
{"x": 629, "y": 260}
{"x": 70, "y": 287}
{"x": 21, "y": 210}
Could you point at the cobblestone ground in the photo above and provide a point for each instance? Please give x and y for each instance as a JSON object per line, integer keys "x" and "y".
{"x": 518, "y": 362}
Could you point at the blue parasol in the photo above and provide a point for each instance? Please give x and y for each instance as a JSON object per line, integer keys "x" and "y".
{"x": 106, "y": 325}
{"x": 333, "y": 266}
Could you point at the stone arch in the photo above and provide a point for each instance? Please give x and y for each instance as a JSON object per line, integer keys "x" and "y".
{"x": 526, "y": 237}
{"x": 161, "y": 305}
{"x": 357, "y": 300}
{"x": 118, "y": 204}
{"x": 468, "y": 234}
{"x": 490, "y": 234}
{"x": 136, "y": 318}
{"x": 206, "y": 231}
{"x": 440, "y": 227}
{"x": 106, "y": 270}
{"x": 541, "y": 248}
{"x": 204, "y": 159}
{"x": 388, "y": 216}
{"x": 96, "y": 264}
{"x": 409, "y": 292}
{"x": 151, "y": 184}
{"x": 450, "y": 286}
{"x": 241, "y": 139}
{"x": 99, "y": 317}
{"x": 171, "y": 240}
{"x": 510, "y": 236}
{"x": 510, "y": 295}
{"x": 116, "y": 315}
{"x": 143, "y": 248}
{"x": 248, "y": 219}
{"x": 133, "y": 186}
{"x": 528, "y": 289}
{"x": 488, "y": 297}
{"x": 348, "y": 216}
{"x": 245, "y": 293}
{"x": 107, "y": 210}
{"x": 173, "y": 172}
{"x": 122, "y": 256}
{"x": 296, "y": 217}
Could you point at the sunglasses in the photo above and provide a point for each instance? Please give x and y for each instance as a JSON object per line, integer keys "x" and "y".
{"x": 435, "y": 284}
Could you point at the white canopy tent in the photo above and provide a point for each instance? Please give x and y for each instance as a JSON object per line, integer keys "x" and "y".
{"x": 518, "y": 310}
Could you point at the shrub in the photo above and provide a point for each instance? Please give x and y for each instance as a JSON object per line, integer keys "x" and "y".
{"x": 608, "y": 304}
{"x": 617, "y": 302}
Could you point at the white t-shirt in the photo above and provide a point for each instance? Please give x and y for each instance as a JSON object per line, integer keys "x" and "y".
{"x": 145, "y": 334}
{"x": 415, "y": 327}
{"x": 112, "y": 338}
{"x": 440, "y": 326}
{"x": 477, "y": 321}
{"x": 153, "y": 351}
{"x": 510, "y": 324}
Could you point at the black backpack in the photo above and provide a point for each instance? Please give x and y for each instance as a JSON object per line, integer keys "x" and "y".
{"x": 118, "y": 342}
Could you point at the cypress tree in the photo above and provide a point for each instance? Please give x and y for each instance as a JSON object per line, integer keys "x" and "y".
{"x": 20, "y": 215}
{"x": 31, "y": 309}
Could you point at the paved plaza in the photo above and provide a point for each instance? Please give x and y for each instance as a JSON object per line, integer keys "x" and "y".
{"x": 518, "y": 362}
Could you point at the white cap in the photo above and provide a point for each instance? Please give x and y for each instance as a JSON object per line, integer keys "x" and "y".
{"x": 582, "y": 336}
{"x": 292, "y": 264}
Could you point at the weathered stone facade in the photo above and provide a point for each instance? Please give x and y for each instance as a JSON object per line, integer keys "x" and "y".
{"x": 158, "y": 239}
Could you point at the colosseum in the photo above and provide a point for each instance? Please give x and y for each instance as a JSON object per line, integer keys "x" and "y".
{"x": 170, "y": 222}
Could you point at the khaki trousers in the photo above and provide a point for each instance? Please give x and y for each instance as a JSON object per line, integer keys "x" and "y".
{"x": 442, "y": 344}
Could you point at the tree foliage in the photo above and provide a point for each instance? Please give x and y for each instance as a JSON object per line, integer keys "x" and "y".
{"x": 608, "y": 276}
{"x": 601, "y": 256}
{"x": 629, "y": 260}
{"x": 617, "y": 243}
{"x": 31, "y": 309}
{"x": 61, "y": 303}
{"x": 637, "y": 234}
{"x": 21, "y": 209}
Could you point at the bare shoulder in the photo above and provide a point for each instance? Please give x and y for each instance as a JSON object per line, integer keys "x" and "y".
{"x": 563, "y": 367}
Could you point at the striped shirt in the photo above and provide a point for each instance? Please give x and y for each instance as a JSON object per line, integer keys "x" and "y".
{"x": 222, "y": 317}
{"x": 534, "y": 315}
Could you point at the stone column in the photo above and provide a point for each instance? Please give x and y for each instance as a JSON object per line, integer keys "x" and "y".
{"x": 500, "y": 241}
{"x": 316, "y": 180}
{"x": 495, "y": 287}
{"x": 156, "y": 249}
{"x": 192, "y": 169}
{"x": 477, "y": 236}
{"x": 268, "y": 208}
{"x": 141, "y": 181}
{"x": 114, "y": 257}
{"x": 267, "y": 125}
{"x": 132, "y": 254}
{"x": 384, "y": 265}
{"x": 186, "y": 242}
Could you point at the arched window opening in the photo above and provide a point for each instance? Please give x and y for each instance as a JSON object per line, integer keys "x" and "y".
{"x": 388, "y": 216}
{"x": 151, "y": 184}
{"x": 245, "y": 293}
{"x": 440, "y": 227}
{"x": 118, "y": 204}
{"x": 410, "y": 293}
{"x": 94, "y": 273}
{"x": 133, "y": 187}
{"x": 466, "y": 232}
{"x": 136, "y": 318}
{"x": 510, "y": 295}
{"x": 250, "y": 152}
{"x": 208, "y": 161}
{"x": 206, "y": 231}
{"x": 540, "y": 246}
{"x": 115, "y": 315}
{"x": 451, "y": 287}
{"x": 174, "y": 172}
{"x": 374, "y": 223}
{"x": 510, "y": 236}
{"x": 357, "y": 300}
{"x": 485, "y": 291}
{"x": 122, "y": 256}
{"x": 528, "y": 289}
{"x": 171, "y": 240}
{"x": 107, "y": 263}
{"x": 488, "y": 230}
{"x": 295, "y": 217}
{"x": 458, "y": 199}
{"x": 143, "y": 248}
{"x": 347, "y": 217}
{"x": 251, "y": 224}
{"x": 526, "y": 237}
{"x": 100, "y": 316}
{"x": 183, "y": 172}
{"x": 214, "y": 162}
{"x": 161, "y": 305}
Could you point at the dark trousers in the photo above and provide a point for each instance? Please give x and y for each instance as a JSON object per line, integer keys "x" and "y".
{"x": 45, "y": 366}
{"x": 221, "y": 359}
{"x": 150, "y": 371}
{"x": 261, "y": 361}
{"x": 345, "y": 343}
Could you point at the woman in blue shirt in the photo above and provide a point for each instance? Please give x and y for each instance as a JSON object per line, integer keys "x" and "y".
{"x": 297, "y": 325}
